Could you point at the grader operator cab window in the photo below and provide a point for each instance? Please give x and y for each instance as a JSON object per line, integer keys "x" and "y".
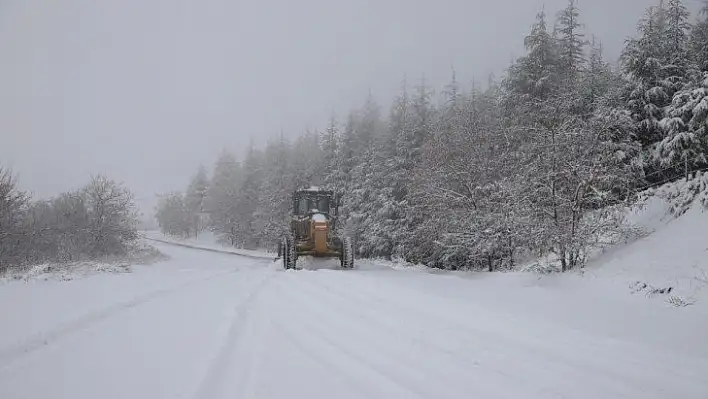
{"x": 304, "y": 205}
{"x": 301, "y": 206}
{"x": 322, "y": 205}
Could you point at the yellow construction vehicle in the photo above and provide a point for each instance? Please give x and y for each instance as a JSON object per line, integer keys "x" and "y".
{"x": 313, "y": 223}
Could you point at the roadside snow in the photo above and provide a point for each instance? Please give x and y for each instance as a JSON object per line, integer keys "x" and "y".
{"x": 66, "y": 271}
{"x": 674, "y": 255}
{"x": 141, "y": 254}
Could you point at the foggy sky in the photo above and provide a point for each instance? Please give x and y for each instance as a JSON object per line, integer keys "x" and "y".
{"x": 146, "y": 90}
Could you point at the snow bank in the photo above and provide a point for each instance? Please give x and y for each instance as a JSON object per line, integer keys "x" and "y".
{"x": 673, "y": 257}
{"x": 140, "y": 254}
{"x": 681, "y": 195}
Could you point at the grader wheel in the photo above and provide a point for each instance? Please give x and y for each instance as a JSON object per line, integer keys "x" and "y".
{"x": 287, "y": 252}
{"x": 347, "y": 257}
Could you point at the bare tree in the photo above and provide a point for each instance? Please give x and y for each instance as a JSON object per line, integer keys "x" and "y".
{"x": 112, "y": 216}
{"x": 12, "y": 205}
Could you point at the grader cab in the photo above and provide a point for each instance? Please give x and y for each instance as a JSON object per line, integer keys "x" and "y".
{"x": 313, "y": 223}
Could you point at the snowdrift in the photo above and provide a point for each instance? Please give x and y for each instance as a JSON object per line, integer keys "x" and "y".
{"x": 671, "y": 259}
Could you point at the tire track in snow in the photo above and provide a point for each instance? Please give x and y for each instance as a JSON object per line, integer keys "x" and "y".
{"x": 539, "y": 361}
{"x": 370, "y": 320}
{"x": 12, "y": 353}
{"x": 214, "y": 375}
{"x": 536, "y": 356}
{"x": 449, "y": 345}
{"x": 360, "y": 345}
{"x": 304, "y": 344}
{"x": 371, "y": 330}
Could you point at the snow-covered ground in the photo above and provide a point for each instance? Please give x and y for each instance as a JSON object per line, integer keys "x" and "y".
{"x": 211, "y": 325}
{"x": 205, "y": 240}
{"x": 207, "y": 324}
{"x": 673, "y": 255}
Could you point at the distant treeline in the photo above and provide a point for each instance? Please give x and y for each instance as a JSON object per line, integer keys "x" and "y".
{"x": 531, "y": 165}
{"x": 95, "y": 221}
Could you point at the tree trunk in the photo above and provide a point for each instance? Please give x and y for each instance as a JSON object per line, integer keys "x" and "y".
{"x": 511, "y": 253}
{"x": 564, "y": 261}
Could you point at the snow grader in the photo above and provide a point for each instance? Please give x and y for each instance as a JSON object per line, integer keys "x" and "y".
{"x": 313, "y": 223}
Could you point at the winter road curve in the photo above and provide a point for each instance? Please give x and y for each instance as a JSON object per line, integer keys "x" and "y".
{"x": 208, "y": 325}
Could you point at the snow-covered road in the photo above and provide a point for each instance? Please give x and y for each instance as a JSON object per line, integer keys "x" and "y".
{"x": 209, "y": 325}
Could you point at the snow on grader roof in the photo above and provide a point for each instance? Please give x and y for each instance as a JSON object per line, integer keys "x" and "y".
{"x": 314, "y": 190}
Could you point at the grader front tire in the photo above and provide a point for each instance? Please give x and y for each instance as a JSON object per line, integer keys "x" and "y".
{"x": 287, "y": 249}
{"x": 347, "y": 257}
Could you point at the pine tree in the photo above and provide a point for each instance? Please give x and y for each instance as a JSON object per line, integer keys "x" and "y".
{"x": 194, "y": 199}
{"x": 596, "y": 81}
{"x": 172, "y": 215}
{"x": 571, "y": 43}
{"x": 642, "y": 61}
{"x": 422, "y": 119}
{"x": 357, "y": 203}
{"x": 676, "y": 68}
{"x": 222, "y": 197}
{"x": 534, "y": 76}
{"x": 686, "y": 142}
{"x": 276, "y": 187}
{"x": 698, "y": 42}
{"x": 247, "y": 206}
{"x": 331, "y": 156}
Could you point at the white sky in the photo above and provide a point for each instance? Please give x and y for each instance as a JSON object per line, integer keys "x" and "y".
{"x": 146, "y": 90}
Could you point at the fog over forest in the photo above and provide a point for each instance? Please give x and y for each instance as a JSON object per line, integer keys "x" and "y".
{"x": 147, "y": 91}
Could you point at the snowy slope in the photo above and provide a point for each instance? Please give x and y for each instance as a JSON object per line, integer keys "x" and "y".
{"x": 210, "y": 325}
{"x": 674, "y": 254}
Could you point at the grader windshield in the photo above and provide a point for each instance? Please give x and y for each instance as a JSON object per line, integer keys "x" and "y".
{"x": 310, "y": 201}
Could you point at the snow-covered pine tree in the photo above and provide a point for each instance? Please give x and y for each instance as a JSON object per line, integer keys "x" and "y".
{"x": 685, "y": 144}
{"x": 358, "y": 206}
{"x": 172, "y": 215}
{"x": 222, "y": 197}
{"x": 535, "y": 75}
{"x": 656, "y": 67}
{"x": 571, "y": 44}
{"x": 642, "y": 61}
{"x": 596, "y": 79}
{"x": 541, "y": 62}
{"x": 384, "y": 222}
{"x": 682, "y": 144}
{"x": 698, "y": 41}
{"x": 330, "y": 144}
{"x": 676, "y": 46}
{"x": 414, "y": 132}
{"x": 276, "y": 189}
{"x": 247, "y": 218}
{"x": 454, "y": 186}
{"x": 194, "y": 199}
